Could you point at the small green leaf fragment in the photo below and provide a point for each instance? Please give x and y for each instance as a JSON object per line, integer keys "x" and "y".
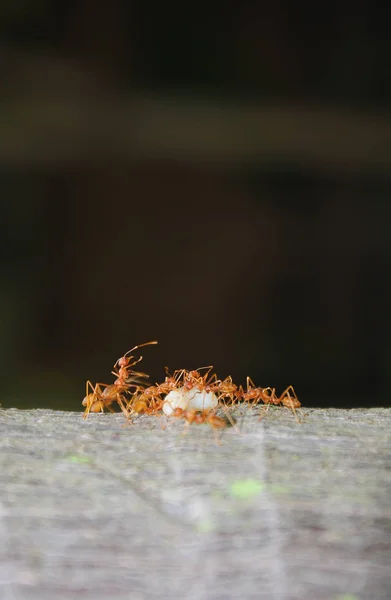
{"x": 346, "y": 597}
{"x": 79, "y": 459}
{"x": 246, "y": 488}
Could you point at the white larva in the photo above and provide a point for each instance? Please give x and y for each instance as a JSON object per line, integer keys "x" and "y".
{"x": 189, "y": 400}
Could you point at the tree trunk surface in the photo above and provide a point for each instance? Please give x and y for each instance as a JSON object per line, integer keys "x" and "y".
{"x": 96, "y": 510}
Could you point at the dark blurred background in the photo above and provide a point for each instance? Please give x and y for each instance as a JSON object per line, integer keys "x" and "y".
{"x": 212, "y": 175}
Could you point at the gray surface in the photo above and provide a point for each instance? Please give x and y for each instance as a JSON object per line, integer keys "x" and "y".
{"x": 91, "y": 509}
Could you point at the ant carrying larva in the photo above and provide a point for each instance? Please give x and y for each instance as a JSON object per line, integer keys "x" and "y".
{"x": 193, "y": 396}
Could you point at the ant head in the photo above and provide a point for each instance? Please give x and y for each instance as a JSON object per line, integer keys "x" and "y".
{"x": 123, "y": 361}
{"x": 193, "y": 375}
{"x": 190, "y": 415}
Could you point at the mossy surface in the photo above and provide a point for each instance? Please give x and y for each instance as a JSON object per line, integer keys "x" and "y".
{"x": 283, "y": 510}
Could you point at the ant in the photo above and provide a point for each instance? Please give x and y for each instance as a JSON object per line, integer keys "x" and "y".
{"x": 188, "y": 395}
{"x": 96, "y": 401}
{"x": 290, "y": 401}
{"x": 122, "y": 367}
{"x": 227, "y": 389}
{"x": 149, "y": 401}
{"x": 254, "y": 394}
{"x": 199, "y": 417}
{"x": 171, "y": 382}
{"x": 268, "y": 396}
{"x": 103, "y": 395}
{"x": 190, "y": 380}
{"x": 193, "y": 379}
{"x": 288, "y": 398}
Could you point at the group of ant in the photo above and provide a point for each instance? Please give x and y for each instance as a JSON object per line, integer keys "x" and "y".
{"x": 134, "y": 397}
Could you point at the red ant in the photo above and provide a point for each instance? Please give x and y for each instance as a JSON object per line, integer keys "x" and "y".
{"x": 268, "y": 396}
{"x": 200, "y": 416}
{"x": 193, "y": 379}
{"x": 254, "y": 394}
{"x": 127, "y": 379}
{"x": 187, "y": 379}
{"x": 227, "y": 389}
{"x": 171, "y": 382}
{"x": 130, "y": 392}
{"x": 149, "y": 401}
{"x": 98, "y": 399}
{"x": 290, "y": 401}
{"x": 122, "y": 367}
{"x": 103, "y": 395}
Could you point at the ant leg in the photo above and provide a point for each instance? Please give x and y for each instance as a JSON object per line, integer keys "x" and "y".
{"x": 122, "y": 406}
{"x": 209, "y": 367}
{"x": 290, "y": 401}
{"x": 264, "y": 411}
{"x": 139, "y": 374}
{"x": 221, "y": 400}
{"x": 186, "y": 428}
{"x": 91, "y": 401}
{"x": 215, "y": 423}
{"x": 290, "y": 388}
{"x": 218, "y": 441}
{"x": 250, "y": 383}
{"x": 230, "y": 419}
{"x": 179, "y": 376}
{"x": 88, "y": 386}
{"x": 292, "y": 408}
{"x": 89, "y": 404}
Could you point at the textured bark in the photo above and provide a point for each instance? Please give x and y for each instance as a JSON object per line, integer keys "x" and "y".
{"x": 91, "y": 509}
